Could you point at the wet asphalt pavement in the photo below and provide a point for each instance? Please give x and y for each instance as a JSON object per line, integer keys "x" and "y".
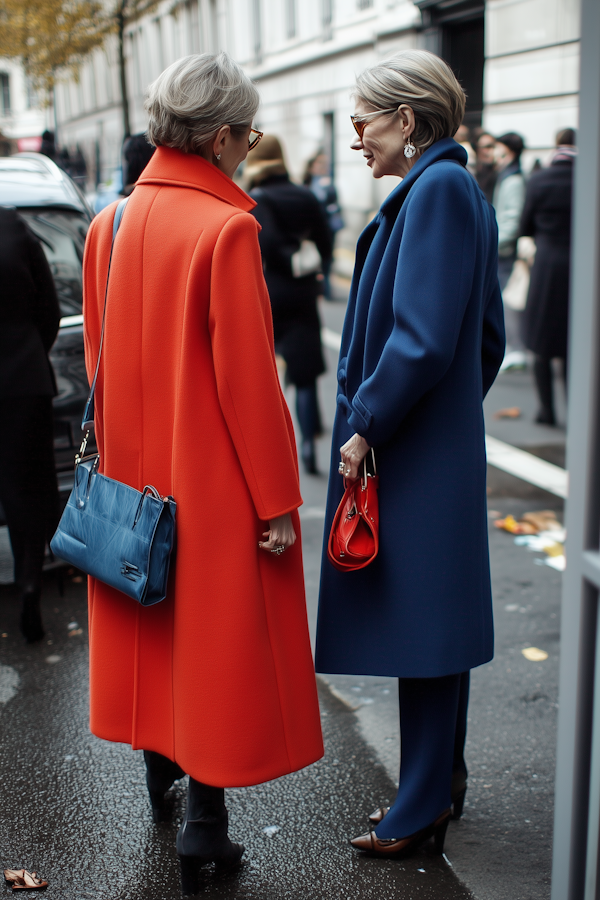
{"x": 75, "y": 808}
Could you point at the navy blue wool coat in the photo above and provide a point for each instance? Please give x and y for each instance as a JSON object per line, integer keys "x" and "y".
{"x": 422, "y": 343}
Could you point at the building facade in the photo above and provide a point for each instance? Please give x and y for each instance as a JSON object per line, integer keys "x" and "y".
{"x": 517, "y": 59}
{"x": 22, "y": 121}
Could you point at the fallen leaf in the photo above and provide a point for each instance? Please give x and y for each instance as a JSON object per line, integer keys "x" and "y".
{"x": 510, "y": 412}
{"x": 534, "y": 654}
{"x": 511, "y": 525}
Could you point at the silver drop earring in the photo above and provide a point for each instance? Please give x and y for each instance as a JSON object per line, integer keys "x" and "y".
{"x": 409, "y": 149}
{"x": 219, "y": 155}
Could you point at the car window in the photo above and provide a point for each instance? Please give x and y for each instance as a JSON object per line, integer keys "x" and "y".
{"x": 62, "y": 235}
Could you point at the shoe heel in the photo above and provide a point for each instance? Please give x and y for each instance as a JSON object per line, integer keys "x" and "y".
{"x": 190, "y": 875}
{"x": 458, "y": 803}
{"x": 439, "y": 835}
{"x": 157, "y": 802}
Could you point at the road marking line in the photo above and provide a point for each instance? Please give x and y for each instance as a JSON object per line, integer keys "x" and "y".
{"x": 527, "y": 467}
{"x": 331, "y": 339}
{"x": 503, "y": 456}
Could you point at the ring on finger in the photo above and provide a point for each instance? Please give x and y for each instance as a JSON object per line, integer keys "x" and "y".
{"x": 278, "y": 550}
{"x": 341, "y": 467}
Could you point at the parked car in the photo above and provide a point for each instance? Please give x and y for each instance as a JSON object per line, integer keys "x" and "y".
{"x": 57, "y": 212}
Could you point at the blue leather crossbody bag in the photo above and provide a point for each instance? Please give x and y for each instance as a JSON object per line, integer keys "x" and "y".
{"x": 115, "y": 533}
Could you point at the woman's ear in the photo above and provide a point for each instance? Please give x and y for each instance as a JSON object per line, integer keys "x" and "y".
{"x": 220, "y": 140}
{"x": 407, "y": 120}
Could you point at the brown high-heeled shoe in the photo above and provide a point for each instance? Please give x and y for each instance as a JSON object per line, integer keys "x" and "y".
{"x": 23, "y": 880}
{"x": 398, "y": 847}
{"x": 457, "y": 796}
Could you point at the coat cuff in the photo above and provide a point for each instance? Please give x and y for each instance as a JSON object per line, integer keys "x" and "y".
{"x": 360, "y": 418}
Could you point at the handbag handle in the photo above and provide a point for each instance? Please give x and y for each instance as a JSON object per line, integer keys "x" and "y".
{"x": 365, "y": 473}
{"x": 87, "y": 422}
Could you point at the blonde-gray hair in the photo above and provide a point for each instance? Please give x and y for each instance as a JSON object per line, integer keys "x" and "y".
{"x": 194, "y": 97}
{"x": 422, "y": 81}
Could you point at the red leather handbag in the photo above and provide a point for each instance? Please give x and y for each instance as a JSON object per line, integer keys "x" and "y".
{"x": 354, "y": 536}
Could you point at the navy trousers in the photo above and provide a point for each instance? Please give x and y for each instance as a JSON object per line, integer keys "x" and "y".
{"x": 433, "y": 729}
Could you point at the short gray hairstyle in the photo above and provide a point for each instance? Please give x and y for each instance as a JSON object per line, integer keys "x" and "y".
{"x": 422, "y": 81}
{"x": 194, "y": 97}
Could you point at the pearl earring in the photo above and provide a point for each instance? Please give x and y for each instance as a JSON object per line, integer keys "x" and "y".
{"x": 409, "y": 149}
{"x": 219, "y": 155}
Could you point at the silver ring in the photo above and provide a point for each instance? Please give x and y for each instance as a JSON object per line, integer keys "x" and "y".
{"x": 278, "y": 550}
{"x": 341, "y": 468}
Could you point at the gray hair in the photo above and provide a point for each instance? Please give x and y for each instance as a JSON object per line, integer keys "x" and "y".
{"x": 194, "y": 97}
{"x": 422, "y": 81}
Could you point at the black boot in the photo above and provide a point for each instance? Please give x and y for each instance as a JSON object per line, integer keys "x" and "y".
{"x": 161, "y": 772}
{"x": 202, "y": 838}
{"x": 542, "y": 371}
{"x": 31, "y": 624}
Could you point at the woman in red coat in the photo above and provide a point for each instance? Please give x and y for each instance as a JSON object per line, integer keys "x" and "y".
{"x": 217, "y": 681}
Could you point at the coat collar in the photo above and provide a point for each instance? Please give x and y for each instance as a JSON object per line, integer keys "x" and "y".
{"x": 177, "y": 169}
{"x": 446, "y": 148}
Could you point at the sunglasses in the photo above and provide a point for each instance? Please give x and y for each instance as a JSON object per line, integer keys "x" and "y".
{"x": 253, "y": 141}
{"x": 361, "y": 122}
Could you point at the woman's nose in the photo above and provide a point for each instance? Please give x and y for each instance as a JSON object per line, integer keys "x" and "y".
{"x": 356, "y": 143}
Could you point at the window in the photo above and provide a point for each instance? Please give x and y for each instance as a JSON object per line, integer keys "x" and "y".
{"x": 5, "y": 92}
{"x": 365, "y": 4}
{"x": 291, "y": 18}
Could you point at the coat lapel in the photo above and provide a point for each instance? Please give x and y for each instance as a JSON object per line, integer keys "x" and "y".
{"x": 371, "y": 249}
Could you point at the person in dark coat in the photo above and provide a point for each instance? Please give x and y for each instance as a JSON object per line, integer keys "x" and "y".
{"x": 29, "y": 320}
{"x": 137, "y": 153}
{"x": 547, "y": 219}
{"x": 289, "y": 215}
{"x": 422, "y": 343}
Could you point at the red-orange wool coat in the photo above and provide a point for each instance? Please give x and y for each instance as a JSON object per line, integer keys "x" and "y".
{"x": 219, "y": 676}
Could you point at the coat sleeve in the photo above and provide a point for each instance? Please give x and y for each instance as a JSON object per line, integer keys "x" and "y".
{"x": 320, "y": 232}
{"x": 510, "y": 206}
{"x": 431, "y": 289}
{"x": 492, "y": 339}
{"x": 248, "y": 385}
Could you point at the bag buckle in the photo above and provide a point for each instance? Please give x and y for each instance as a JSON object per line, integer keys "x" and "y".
{"x": 81, "y": 452}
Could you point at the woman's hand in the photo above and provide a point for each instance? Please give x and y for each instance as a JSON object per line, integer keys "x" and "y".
{"x": 353, "y": 452}
{"x": 281, "y": 534}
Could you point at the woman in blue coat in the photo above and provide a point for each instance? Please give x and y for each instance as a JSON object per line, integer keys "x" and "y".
{"x": 422, "y": 343}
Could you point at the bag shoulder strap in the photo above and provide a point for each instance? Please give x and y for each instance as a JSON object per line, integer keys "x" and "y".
{"x": 88, "y": 414}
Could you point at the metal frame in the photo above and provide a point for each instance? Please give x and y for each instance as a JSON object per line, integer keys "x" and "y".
{"x": 577, "y": 812}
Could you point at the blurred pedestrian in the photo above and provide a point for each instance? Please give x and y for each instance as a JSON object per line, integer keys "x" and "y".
{"x": 509, "y": 196}
{"x": 421, "y": 346}
{"x": 547, "y": 219}
{"x": 486, "y": 173}
{"x": 48, "y": 145}
{"x": 317, "y": 177}
{"x": 290, "y": 216}
{"x": 137, "y": 153}
{"x": 29, "y": 320}
{"x": 217, "y": 680}
{"x": 79, "y": 171}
